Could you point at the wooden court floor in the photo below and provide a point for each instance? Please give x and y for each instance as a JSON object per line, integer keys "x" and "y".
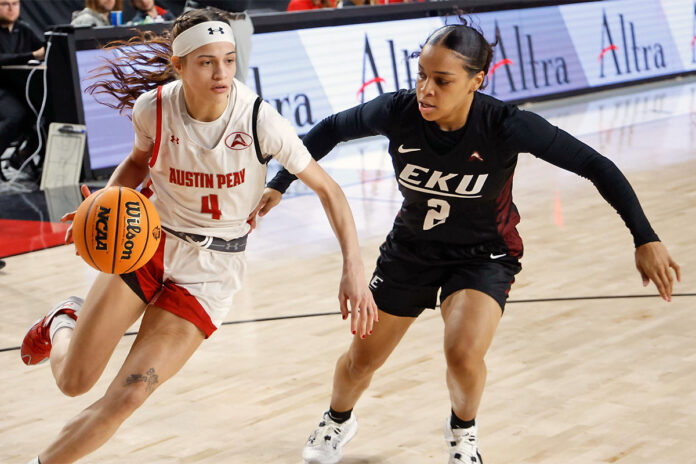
{"x": 587, "y": 365}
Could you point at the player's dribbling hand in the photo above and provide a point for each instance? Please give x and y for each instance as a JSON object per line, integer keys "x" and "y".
{"x": 70, "y": 216}
{"x": 654, "y": 262}
{"x": 269, "y": 200}
{"x": 356, "y": 300}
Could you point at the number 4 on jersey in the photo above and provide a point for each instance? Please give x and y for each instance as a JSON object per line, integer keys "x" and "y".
{"x": 209, "y": 204}
{"x": 437, "y": 213}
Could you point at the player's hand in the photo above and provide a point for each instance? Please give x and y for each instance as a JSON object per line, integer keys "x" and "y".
{"x": 269, "y": 200}
{"x": 70, "y": 216}
{"x": 356, "y": 299}
{"x": 39, "y": 54}
{"x": 654, "y": 262}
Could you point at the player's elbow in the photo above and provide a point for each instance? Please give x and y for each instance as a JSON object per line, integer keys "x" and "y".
{"x": 329, "y": 191}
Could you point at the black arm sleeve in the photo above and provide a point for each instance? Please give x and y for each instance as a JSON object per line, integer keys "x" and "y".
{"x": 531, "y": 133}
{"x": 15, "y": 58}
{"x": 364, "y": 120}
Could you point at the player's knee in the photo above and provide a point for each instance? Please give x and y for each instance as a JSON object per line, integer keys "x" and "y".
{"x": 463, "y": 358}
{"x": 75, "y": 384}
{"x": 133, "y": 398}
{"x": 361, "y": 366}
{"x": 124, "y": 401}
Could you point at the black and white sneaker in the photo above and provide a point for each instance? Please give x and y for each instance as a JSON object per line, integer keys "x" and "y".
{"x": 462, "y": 444}
{"x": 325, "y": 444}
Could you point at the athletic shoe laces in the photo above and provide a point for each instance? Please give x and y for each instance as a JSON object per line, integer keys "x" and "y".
{"x": 330, "y": 432}
{"x": 464, "y": 443}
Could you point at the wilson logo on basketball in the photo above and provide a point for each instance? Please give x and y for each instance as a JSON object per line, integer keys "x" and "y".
{"x": 238, "y": 140}
{"x": 101, "y": 228}
{"x": 116, "y": 230}
{"x": 132, "y": 227}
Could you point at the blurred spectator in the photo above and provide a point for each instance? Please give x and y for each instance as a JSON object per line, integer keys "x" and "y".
{"x": 96, "y": 13}
{"x": 297, "y": 5}
{"x": 349, "y": 3}
{"x": 19, "y": 44}
{"x": 383, "y": 2}
{"x": 147, "y": 12}
{"x": 242, "y": 28}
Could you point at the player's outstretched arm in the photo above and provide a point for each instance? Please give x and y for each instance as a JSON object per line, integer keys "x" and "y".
{"x": 354, "y": 295}
{"x": 654, "y": 262}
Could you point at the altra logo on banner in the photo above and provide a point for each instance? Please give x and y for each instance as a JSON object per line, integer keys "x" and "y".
{"x": 627, "y": 52}
{"x": 522, "y": 67}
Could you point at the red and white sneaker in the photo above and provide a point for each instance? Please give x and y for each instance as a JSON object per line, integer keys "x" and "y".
{"x": 36, "y": 346}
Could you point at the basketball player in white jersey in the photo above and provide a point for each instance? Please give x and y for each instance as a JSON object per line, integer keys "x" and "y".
{"x": 204, "y": 141}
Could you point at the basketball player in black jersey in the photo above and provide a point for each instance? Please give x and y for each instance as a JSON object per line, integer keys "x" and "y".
{"x": 454, "y": 151}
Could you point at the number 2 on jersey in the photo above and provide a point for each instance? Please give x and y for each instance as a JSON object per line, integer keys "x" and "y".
{"x": 437, "y": 213}
{"x": 209, "y": 204}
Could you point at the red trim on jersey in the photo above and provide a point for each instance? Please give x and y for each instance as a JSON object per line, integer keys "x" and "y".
{"x": 507, "y": 292}
{"x": 507, "y": 219}
{"x": 158, "y": 136}
{"x": 150, "y": 276}
{"x": 147, "y": 191}
{"x": 173, "y": 298}
{"x": 179, "y": 301}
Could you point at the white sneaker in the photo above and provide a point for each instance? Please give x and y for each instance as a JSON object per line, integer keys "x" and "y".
{"x": 462, "y": 444}
{"x": 325, "y": 444}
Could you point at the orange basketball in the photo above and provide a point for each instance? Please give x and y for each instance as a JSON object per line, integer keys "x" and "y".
{"x": 116, "y": 230}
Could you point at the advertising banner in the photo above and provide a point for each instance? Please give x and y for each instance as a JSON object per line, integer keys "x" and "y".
{"x": 308, "y": 74}
{"x": 681, "y": 21}
{"x": 622, "y": 40}
{"x": 534, "y": 55}
{"x": 311, "y": 73}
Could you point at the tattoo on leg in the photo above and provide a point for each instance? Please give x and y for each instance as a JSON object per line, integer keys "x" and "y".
{"x": 150, "y": 379}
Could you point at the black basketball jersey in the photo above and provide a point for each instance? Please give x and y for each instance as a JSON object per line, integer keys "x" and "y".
{"x": 457, "y": 194}
{"x": 457, "y": 186}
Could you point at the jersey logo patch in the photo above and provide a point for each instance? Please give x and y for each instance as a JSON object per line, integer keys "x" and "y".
{"x": 447, "y": 184}
{"x": 374, "y": 283}
{"x": 174, "y": 139}
{"x": 401, "y": 149}
{"x": 475, "y": 156}
{"x": 238, "y": 140}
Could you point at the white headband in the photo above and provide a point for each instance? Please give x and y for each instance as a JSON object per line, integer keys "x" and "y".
{"x": 202, "y": 34}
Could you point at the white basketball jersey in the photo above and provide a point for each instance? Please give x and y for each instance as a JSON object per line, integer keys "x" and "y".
{"x": 201, "y": 190}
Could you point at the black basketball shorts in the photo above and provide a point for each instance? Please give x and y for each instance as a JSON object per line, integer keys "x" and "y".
{"x": 409, "y": 274}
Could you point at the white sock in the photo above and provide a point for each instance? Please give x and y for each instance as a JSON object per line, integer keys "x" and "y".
{"x": 34, "y": 461}
{"x": 59, "y": 322}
